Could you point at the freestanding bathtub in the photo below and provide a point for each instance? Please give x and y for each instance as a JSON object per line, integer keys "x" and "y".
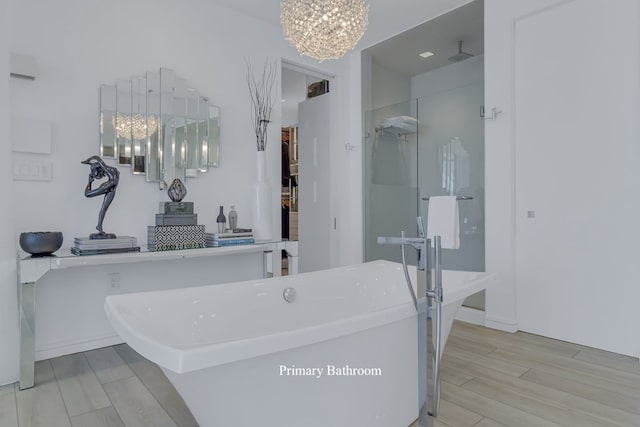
{"x": 342, "y": 353}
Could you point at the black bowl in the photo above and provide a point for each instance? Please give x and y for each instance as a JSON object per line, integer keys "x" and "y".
{"x": 41, "y": 243}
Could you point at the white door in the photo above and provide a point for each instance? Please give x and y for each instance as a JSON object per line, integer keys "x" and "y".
{"x": 577, "y": 170}
{"x": 314, "y": 215}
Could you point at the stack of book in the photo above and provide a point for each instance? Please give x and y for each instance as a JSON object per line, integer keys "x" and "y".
{"x": 87, "y": 246}
{"x": 215, "y": 240}
{"x": 176, "y": 228}
{"x": 176, "y": 213}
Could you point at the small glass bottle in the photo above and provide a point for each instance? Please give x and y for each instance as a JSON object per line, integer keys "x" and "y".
{"x": 233, "y": 218}
{"x": 221, "y": 220}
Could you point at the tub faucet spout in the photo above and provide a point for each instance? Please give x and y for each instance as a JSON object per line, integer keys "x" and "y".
{"x": 418, "y": 243}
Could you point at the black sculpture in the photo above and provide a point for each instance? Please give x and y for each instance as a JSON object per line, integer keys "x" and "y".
{"x": 99, "y": 170}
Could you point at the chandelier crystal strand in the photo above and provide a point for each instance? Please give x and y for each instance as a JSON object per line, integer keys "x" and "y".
{"x": 323, "y": 29}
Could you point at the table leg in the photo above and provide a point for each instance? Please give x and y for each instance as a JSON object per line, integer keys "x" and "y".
{"x": 27, "y": 298}
{"x": 267, "y": 263}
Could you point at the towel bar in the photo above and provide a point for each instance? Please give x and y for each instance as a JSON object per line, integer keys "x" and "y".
{"x": 457, "y": 198}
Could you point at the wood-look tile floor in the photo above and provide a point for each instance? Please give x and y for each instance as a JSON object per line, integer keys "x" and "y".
{"x": 490, "y": 378}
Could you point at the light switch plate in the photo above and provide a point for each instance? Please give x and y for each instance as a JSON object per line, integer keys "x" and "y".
{"x": 32, "y": 171}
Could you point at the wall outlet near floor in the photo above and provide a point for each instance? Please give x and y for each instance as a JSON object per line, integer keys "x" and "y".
{"x": 113, "y": 282}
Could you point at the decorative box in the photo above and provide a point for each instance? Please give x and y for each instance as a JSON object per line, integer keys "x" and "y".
{"x": 172, "y": 237}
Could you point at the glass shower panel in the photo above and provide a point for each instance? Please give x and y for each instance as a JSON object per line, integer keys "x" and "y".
{"x": 391, "y": 177}
{"x": 451, "y": 158}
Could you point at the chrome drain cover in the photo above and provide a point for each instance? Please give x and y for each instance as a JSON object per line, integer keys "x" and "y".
{"x": 289, "y": 294}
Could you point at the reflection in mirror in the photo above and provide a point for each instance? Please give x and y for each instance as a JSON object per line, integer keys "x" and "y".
{"x": 167, "y": 78}
{"x": 213, "y": 148}
{"x": 180, "y": 130}
{"x": 143, "y": 124}
{"x": 202, "y": 140}
{"x": 107, "y": 116}
{"x": 193, "y": 152}
{"x": 159, "y": 126}
{"x": 122, "y": 121}
{"x": 153, "y": 151}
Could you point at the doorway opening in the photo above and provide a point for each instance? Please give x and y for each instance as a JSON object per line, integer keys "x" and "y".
{"x": 299, "y": 87}
{"x": 423, "y": 93}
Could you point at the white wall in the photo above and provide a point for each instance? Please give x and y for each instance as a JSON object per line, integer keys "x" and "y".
{"x": 500, "y": 161}
{"x": 448, "y": 77}
{"x": 8, "y": 303}
{"x": 66, "y": 93}
{"x": 570, "y": 272}
{"x": 388, "y": 86}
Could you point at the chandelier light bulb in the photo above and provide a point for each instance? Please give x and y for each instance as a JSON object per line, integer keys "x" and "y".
{"x": 323, "y": 29}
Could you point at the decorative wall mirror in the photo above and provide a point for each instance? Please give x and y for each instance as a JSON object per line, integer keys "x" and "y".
{"x": 159, "y": 126}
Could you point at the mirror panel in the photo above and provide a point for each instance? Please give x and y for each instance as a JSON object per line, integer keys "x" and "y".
{"x": 214, "y": 136}
{"x": 193, "y": 153}
{"x": 180, "y": 127}
{"x": 107, "y": 116}
{"x": 159, "y": 126}
{"x": 122, "y": 122}
{"x": 202, "y": 139}
{"x": 140, "y": 122}
{"x": 167, "y": 141}
{"x": 153, "y": 149}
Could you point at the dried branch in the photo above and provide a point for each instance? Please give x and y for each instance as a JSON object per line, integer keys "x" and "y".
{"x": 261, "y": 92}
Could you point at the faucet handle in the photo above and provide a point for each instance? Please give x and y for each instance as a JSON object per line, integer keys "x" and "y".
{"x": 383, "y": 240}
{"x": 420, "y": 227}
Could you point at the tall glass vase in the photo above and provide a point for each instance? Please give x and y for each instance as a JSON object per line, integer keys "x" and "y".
{"x": 262, "y": 227}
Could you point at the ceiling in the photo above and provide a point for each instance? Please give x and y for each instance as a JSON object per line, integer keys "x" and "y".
{"x": 439, "y": 35}
{"x": 386, "y": 17}
{"x": 265, "y": 10}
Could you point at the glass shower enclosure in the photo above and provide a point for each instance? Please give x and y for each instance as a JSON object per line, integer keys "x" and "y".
{"x": 425, "y": 147}
{"x": 429, "y": 146}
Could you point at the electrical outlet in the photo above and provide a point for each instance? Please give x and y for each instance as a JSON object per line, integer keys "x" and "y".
{"x": 113, "y": 282}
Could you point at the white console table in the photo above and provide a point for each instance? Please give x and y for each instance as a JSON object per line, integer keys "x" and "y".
{"x": 31, "y": 270}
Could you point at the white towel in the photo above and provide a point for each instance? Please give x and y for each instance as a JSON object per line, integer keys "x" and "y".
{"x": 406, "y": 123}
{"x": 444, "y": 221}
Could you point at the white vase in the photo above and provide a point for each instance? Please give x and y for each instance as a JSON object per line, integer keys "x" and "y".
{"x": 262, "y": 227}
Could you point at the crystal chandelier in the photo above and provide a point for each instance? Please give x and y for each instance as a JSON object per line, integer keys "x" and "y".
{"x": 134, "y": 125}
{"x": 323, "y": 29}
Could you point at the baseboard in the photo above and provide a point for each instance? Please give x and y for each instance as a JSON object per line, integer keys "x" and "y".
{"x": 64, "y": 348}
{"x": 7, "y": 382}
{"x": 501, "y": 324}
{"x": 471, "y": 315}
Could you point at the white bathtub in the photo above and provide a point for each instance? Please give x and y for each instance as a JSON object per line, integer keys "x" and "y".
{"x": 240, "y": 355}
